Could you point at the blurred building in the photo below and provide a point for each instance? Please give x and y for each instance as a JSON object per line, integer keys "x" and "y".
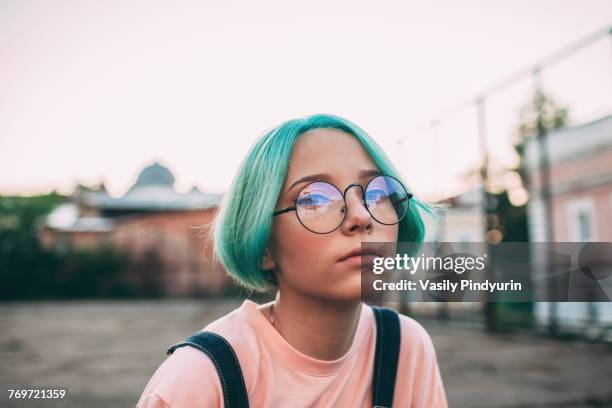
{"x": 580, "y": 160}
{"x": 164, "y": 233}
{"x": 581, "y": 184}
{"x": 463, "y": 221}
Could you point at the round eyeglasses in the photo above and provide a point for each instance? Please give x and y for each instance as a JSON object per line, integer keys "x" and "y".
{"x": 321, "y": 207}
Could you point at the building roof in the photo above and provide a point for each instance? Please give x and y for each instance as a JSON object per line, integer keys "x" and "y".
{"x": 155, "y": 175}
{"x": 153, "y": 191}
{"x": 66, "y": 218}
{"x": 573, "y": 142}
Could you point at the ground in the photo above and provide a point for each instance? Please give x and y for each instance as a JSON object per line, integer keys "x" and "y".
{"x": 105, "y": 352}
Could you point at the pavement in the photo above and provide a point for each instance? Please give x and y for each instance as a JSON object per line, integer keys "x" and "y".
{"x": 104, "y": 352}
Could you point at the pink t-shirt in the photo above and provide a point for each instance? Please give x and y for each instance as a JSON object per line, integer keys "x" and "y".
{"x": 278, "y": 375}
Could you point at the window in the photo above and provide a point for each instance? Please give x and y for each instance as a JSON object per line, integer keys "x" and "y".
{"x": 584, "y": 225}
{"x": 581, "y": 220}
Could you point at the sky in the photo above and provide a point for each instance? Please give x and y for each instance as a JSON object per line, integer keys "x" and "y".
{"x": 94, "y": 91}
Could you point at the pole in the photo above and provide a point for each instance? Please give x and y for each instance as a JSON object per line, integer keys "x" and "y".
{"x": 610, "y": 37}
{"x": 545, "y": 195}
{"x": 489, "y": 307}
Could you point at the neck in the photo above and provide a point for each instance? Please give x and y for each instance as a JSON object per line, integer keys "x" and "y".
{"x": 319, "y": 328}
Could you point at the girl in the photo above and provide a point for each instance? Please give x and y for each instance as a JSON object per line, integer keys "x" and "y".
{"x": 307, "y": 195}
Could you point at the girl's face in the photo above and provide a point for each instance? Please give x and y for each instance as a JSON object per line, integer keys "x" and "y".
{"x": 310, "y": 263}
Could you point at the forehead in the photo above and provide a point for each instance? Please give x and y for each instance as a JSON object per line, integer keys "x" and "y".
{"x": 328, "y": 151}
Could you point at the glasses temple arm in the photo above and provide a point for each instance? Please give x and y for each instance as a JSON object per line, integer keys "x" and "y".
{"x": 408, "y": 197}
{"x": 284, "y": 210}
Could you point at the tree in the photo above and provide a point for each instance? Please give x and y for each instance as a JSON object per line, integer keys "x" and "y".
{"x": 537, "y": 118}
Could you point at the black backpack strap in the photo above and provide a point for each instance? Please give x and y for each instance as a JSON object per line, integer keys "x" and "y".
{"x": 388, "y": 336}
{"x": 226, "y": 362}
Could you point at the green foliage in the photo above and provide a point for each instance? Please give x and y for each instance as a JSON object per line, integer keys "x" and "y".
{"x": 147, "y": 269}
{"x": 541, "y": 115}
{"x": 509, "y": 219}
{"x": 92, "y": 274}
{"x": 514, "y": 315}
{"x": 29, "y": 271}
{"x": 24, "y": 264}
{"x": 20, "y": 214}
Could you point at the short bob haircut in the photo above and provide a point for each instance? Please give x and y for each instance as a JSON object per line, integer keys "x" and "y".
{"x": 244, "y": 221}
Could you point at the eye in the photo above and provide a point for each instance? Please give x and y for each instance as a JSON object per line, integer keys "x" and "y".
{"x": 376, "y": 195}
{"x": 313, "y": 200}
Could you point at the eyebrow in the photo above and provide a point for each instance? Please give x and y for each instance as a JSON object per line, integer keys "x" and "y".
{"x": 326, "y": 177}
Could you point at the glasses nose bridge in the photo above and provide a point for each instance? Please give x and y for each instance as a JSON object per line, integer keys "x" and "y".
{"x": 362, "y": 199}
{"x": 351, "y": 186}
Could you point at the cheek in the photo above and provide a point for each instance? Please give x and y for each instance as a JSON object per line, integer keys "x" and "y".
{"x": 394, "y": 233}
{"x": 385, "y": 233}
{"x": 299, "y": 252}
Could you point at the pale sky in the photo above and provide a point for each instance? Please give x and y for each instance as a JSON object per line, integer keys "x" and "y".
{"x": 95, "y": 90}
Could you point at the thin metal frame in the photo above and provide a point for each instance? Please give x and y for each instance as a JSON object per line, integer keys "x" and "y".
{"x": 363, "y": 190}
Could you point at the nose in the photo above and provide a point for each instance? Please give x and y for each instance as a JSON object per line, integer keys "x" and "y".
{"x": 358, "y": 218}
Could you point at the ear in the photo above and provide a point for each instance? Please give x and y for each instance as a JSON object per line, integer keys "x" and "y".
{"x": 267, "y": 263}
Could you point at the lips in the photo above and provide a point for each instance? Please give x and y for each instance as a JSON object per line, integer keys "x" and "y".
{"x": 359, "y": 252}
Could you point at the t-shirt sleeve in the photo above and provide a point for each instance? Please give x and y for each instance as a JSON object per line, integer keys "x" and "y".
{"x": 434, "y": 396}
{"x": 187, "y": 378}
{"x": 425, "y": 379}
{"x": 151, "y": 400}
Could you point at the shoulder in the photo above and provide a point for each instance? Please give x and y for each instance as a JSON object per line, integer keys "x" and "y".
{"x": 418, "y": 367}
{"x": 186, "y": 378}
{"x": 416, "y": 339}
{"x": 242, "y": 330}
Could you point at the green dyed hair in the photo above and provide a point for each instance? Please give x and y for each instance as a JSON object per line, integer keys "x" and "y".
{"x": 244, "y": 222}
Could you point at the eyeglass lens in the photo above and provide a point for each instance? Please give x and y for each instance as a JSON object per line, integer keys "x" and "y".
{"x": 320, "y": 206}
